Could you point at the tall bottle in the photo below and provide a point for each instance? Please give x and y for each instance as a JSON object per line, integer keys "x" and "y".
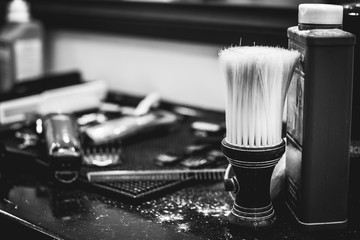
{"x": 21, "y": 47}
{"x": 319, "y": 118}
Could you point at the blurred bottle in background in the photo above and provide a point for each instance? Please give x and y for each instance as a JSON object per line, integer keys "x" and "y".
{"x": 21, "y": 47}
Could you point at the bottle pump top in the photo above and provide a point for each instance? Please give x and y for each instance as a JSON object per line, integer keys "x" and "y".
{"x": 18, "y": 11}
{"x": 326, "y": 14}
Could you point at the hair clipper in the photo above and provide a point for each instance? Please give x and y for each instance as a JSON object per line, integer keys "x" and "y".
{"x": 63, "y": 148}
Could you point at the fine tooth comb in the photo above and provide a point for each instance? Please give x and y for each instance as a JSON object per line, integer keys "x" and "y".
{"x": 156, "y": 175}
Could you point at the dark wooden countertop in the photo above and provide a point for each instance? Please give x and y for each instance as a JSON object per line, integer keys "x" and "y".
{"x": 32, "y": 204}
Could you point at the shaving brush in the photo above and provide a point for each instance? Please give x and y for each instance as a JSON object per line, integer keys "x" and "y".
{"x": 257, "y": 79}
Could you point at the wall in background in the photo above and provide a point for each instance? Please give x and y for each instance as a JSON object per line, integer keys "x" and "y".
{"x": 181, "y": 72}
{"x": 165, "y": 46}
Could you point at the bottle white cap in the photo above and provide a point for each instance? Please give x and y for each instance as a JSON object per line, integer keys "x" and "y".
{"x": 313, "y": 13}
{"x": 18, "y": 11}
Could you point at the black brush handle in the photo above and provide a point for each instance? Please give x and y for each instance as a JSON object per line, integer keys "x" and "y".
{"x": 253, "y": 168}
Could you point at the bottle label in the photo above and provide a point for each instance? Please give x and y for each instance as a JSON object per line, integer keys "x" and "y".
{"x": 355, "y": 149}
{"x": 28, "y": 59}
{"x": 294, "y": 129}
{"x": 295, "y": 103}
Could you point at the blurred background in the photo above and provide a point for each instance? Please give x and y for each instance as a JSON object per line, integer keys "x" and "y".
{"x": 160, "y": 45}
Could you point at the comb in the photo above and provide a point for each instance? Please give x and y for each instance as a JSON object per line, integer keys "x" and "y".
{"x": 156, "y": 175}
{"x": 138, "y": 191}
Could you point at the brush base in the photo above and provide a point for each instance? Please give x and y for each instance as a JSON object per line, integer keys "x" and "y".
{"x": 253, "y": 168}
{"x": 252, "y": 217}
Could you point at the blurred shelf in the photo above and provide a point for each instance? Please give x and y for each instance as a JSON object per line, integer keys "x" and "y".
{"x": 210, "y": 21}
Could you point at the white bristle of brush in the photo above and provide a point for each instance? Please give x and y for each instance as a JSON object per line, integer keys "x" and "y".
{"x": 257, "y": 78}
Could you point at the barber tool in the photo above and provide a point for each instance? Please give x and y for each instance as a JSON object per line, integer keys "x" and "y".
{"x": 62, "y": 99}
{"x": 208, "y": 129}
{"x": 139, "y": 185}
{"x": 186, "y": 112}
{"x": 211, "y": 158}
{"x": 257, "y": 80}
{"x": 136, "y": 191}
{"x": 195, "y": 162}
{"x": 29, "y": 138}
{"x": 91, "y": 118}
{"x": 192, "y": 156}
{"x": 319, "y": 118}
{"x": 102, "y": 155}
{"x": 124, "y": 127}
{"x": 63, "y": 149}
{"x": 167, "y": 159}
{"x": 151, "y": 100}
{"x": 167, "y": 174}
